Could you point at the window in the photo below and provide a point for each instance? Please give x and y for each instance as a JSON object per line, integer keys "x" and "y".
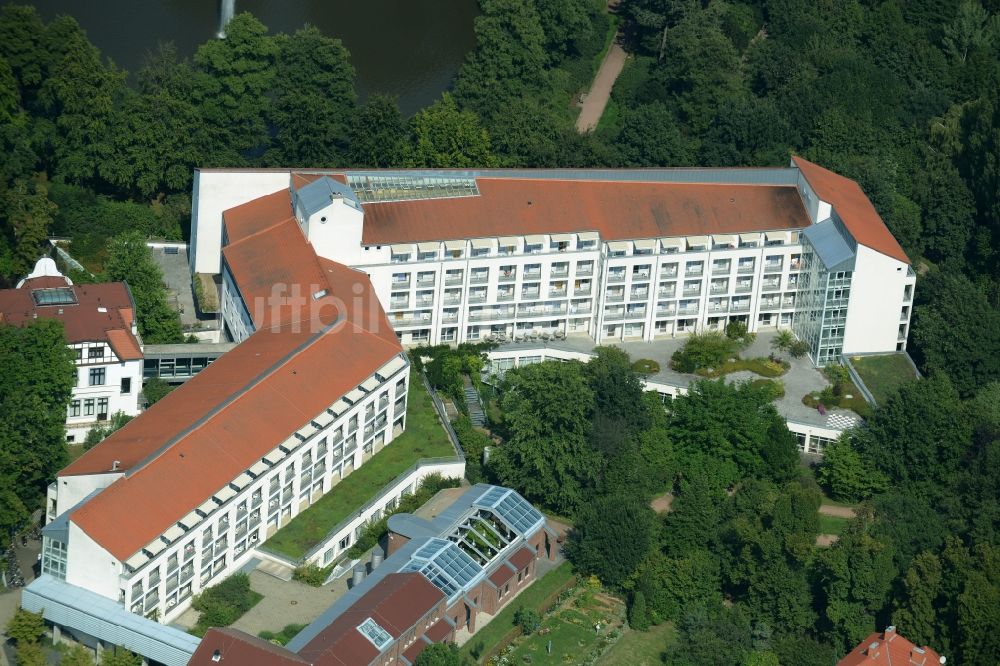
{"x": 102, "y": 408}
{"x": 97, "y": 376}
{"x": 79, "y": 354}
{"x": 74, "y": 408}
{"x": 88, "y": 407}
{"x": 95, "y": 352}
{"x": 126, "y": 385}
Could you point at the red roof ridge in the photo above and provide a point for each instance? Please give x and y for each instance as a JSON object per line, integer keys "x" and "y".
{"x": 853, "y": 207}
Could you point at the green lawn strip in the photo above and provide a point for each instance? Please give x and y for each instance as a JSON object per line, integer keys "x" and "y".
{"x": 536, "y": 594}
{"x": 570, "y": 641}
{"x": 424, "y": 438}
{"x": 883, "y": 375}
{"x": 640, "y": 648}
{"x": 762, "y": 366}
{"x": 282, "y": 637}
{"x": 832, "y": 524}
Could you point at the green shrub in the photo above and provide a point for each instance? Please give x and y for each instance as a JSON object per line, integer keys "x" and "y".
{"x": 282, "y": 637}
{"x": 527, "y": 619}
{"x": 837, "y": 374}
{"x": 799, "y": 348}
{"x": 737, "y": 332}
{"x": 311, "y": 574}
{"x": 473, "y": 443}
{"x": 223, "y": 604}
{"x": 155, "y": 389}
{"x": 26, "y": 627}
{"x": 703, "y": 350}
{"x": 772, "y": 388}
{"x": 645, "y": 366}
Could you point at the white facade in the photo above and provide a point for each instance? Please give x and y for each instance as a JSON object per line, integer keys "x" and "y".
{"x": 104, "y": 385}
{"x": 882, "y": 287}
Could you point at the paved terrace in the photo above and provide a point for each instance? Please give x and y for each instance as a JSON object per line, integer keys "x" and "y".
{"x": 801, "y": 378}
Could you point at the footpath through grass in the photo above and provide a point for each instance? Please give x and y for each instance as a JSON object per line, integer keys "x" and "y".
{"x": 640, "y": 648}
{"x": 424, "y": 438}
{"x": 883, "y": 375}
{"x": 499, "y": 627}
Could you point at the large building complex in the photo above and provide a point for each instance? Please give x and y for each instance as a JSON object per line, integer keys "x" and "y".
{"x": 440, "y": 576}
{"x": 179, "y": 498}
{"x": 99, "y": 321}
{"x": 612, "y": 255}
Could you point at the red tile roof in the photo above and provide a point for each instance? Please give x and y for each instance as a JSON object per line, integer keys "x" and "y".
{"x": 237, "y": 647}
{"x": 618, "y": 210}
{"x": 853, "y": 207}
{"x": 261, "y": 213}
{"x": 522, "y": 558}
{"x": 889, "y": 649}
{"x": 411, "y": 653}
{"x": 189, "y": 445}
{"x": 103, "y": 313}
{"x": 396, "y": 603}
{"x": 440, "y": 631}
{"x": 501, "y": 575}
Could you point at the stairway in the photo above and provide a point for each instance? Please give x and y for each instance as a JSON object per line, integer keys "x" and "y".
{"x": 476, "y": 414}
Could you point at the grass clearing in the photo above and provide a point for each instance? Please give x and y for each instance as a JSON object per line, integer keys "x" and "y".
{"x": 640, "y": 648}
{"x": 832, "y": 524}
{"x": 424, "y": 438}
{"x": 535, "y": 596}
{"x": 883, "y": 375}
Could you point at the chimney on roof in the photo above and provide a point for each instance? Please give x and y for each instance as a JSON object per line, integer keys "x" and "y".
{"x": 115, "y": 464}
{"x": 377, "y": 556}
{"x": 217, "y": 655}
{"x": 359, "y": 575}
{"x": 872, "y": 650}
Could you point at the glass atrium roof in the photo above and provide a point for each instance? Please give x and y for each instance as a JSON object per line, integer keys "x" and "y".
{"x": 371, "y": 630}
{"x": 445, "y": 565}
{"x": 511, "y": 508}
{"x": 403, "y": 187}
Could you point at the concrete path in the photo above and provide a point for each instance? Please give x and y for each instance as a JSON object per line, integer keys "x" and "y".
{"x": 600, "y": 89}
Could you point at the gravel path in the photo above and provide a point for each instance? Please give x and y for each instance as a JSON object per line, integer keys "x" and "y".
{"x": 600, "y": 89}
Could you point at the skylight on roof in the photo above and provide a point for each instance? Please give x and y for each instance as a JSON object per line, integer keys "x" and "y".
{"x": 511, "y": 508}
{"x": 378, "y": 636}
{"x": 445, "y": 565}
{"x": 404, "y": 187}
{"x": 54, "y": 296}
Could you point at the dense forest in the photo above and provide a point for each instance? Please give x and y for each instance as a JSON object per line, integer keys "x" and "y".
{"x": 901, "y": 95}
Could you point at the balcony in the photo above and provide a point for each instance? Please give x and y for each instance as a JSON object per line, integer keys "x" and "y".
{"x": 528, "y": 294}
{"x": 666, "y": 311}
{"x": 769, "y": 304}
{"x": 615, "y": 297}
{"x": 452, "y": 279}
{"x": 669, "y": 272}
{"x": 718, "y": 307}
{"x": 400, "y": 284}
{"x": 412, "y": 320}
{"x": 692, "y": 291}
{"x": 557, "y": 293}
{"x": 614, "y": 315}
{"x": 744, "y": 269}
{"x": 535, "y": 313}
{"x": 533, "y": 274}
{"x": 399, "y": 303}
{"x": 580, "y": 309}
{"x": 635, "y": 313}
{"x": 505, "y": 295}
{"x": 425, "y": 302}
{"x": 640, "y": 276}
{"x": 719, "y": 288}
{"x": 425, "y": 281}
{"x": 559, "y": 272}
{"x": 640, "y": 295}
{"x": 477, "y": 297}
{"x": 771, "y": 285}
{"x": 772, "y": 266}
{"x": 616, "y": 276}
{"x": 740, "y": 306}
{"x": 744, "y": 287}
{"x": 693, "y": 272}
{"x": 452, "y": 299}
{"x": 582, "y": 291}
{"x": 492, "y": 315}
{"x": 584, "y": 270}
{"x": 479, "y": 278}
{"x": 688, "y": 310}
{"x": 720, "y": 269}
{"x": 508, "y": 276}
{"x": 788, "y": 303}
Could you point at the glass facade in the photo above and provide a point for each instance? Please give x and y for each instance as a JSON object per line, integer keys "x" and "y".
{"x": 821, "y": 307}
{"x": 54, "y": 558}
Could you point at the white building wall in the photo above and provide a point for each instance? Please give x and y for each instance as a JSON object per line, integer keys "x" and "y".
{"x": 90, "y": 566}
{"x": 876, "y": 319}
{"x": 215, "y": 192}
{"x": 71, "y": 490}
{"x": 235, "y": 318}
{"x": 111, "y": 388}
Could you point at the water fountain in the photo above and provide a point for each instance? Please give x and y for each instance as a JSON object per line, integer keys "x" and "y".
{"x": 226, "y": 10}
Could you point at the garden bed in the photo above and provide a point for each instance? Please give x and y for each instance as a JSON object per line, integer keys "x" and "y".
{"x": 763, "y": 366}
{"x": 645, "y": 366}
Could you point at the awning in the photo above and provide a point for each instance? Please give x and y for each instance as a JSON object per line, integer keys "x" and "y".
{"x": 402, "y": 248}
{"x": 429, "y": 247}
{"x": 645, "y": 244}
{"x": 454, "y": 245}
{"x": 190, "y": 520}
{"x": 618, "y": 246}
{"x": 561, "y": 238}
{"x": 779, "y": 236}
{"x": 370, "y": 384}
{"x": 588, "y": 236}
{"x": 225, "y": 495}
{"x": 174, "y": 533}
{"x": 751, "y": 238}
{"x": 482, "y": 243}
{"x": 155, "y": 547}
{"x": 697, "y": 241}
{"x": 137, "y": 560}
{"x": 306, "y": 431}
{"x": 390, "y": 368}
{"x": 509, "y": 241}
{"x": 275, "y": 456}
{"x": 323, "y": 420}
{"x": 672, "y": 242}
{"x": 208, "y": 506}
{"x": 259, "y": 468}
{"x": 242, "y": 481}
{"x": 339, "y": 407}
{"x": 724, "y": 239}
{"x": 534, "y": 240}
{"x": 354, "y": 396}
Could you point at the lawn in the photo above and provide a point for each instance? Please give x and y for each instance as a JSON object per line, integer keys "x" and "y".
{"x": 883, "y": 375}
{"x": 640, "y": 648}
{"x": 832, "y": 524}
{"x": 533, "y": 597}
{"x": 424, "y": 438}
